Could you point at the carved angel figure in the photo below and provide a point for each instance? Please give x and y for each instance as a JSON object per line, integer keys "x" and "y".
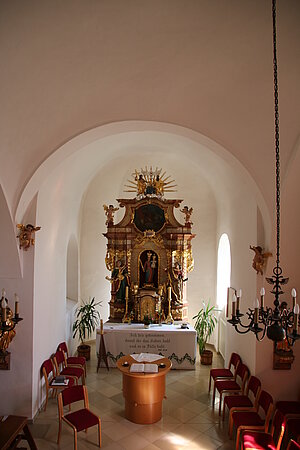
{"x": 109, "y": 212}
{"x": 26, "y": 235}
{"x": 259, "y": 259}
{"x": 188, "y": 212}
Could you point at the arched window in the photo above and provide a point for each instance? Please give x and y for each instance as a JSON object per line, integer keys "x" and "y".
{"x": 223, "y": 270}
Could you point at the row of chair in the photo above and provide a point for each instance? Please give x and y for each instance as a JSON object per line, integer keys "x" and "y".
{"x": 245, "y": 406}
{"x": 61, "y": 364}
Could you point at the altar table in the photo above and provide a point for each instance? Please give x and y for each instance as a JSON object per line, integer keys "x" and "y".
{"x": 171, "y": 341}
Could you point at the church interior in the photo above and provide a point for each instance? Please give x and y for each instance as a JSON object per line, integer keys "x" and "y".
{"x": 137, "y": 138}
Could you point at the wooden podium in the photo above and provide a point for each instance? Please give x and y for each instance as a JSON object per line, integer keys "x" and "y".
{"x": 143, "y": 392}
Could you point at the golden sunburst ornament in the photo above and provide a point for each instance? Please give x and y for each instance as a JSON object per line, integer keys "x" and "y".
{"x": 150, "y": 183}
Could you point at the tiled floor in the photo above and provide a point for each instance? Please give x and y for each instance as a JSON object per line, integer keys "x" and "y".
{"x": 188, "y": 420}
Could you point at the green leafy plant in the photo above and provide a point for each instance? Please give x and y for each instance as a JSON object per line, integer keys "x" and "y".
{"x": 206, "y": 321}
{"x": 87, "y": 319}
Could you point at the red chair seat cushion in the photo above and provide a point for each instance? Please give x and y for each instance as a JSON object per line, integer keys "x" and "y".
{"x": 249, "y": 418}
{"x": 76, "y": 360}
{"x": 232, "y": 401}
{"x": 72, "y": 371}
{"x": 82, "y": 419}
{"x": 222, "y": 373}
{"x": 227, "y": 385}
{"x": 258, "y": 441}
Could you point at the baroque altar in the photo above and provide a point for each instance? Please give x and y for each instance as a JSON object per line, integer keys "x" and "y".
{"x": 149, "y": 253}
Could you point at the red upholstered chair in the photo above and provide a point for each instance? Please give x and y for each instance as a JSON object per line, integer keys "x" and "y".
{"x": 293, "y": 445}
{"x": 260, "y": 440}
{"x": 249, "y": 400}
{"x": 252, "y": 419}
{"x": 72, "y": 361}
{"x": 289, "y": 408}
{"x": 48, "y": 372}
{"x": 232, "y": 386}
{"x": 293, "y": 428}
{"x": 228, "y": 373}
{"x": 62, "y": 369}
{"x": 79, "y": 420}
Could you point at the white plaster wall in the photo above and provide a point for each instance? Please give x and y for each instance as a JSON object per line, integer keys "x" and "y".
{"x": 58, "y": 208}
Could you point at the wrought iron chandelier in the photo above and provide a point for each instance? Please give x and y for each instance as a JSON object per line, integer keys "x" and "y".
{"x": 279, "y": 322}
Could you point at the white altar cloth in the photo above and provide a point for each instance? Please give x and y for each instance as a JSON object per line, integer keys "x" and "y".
{"x": 170, "y": 341}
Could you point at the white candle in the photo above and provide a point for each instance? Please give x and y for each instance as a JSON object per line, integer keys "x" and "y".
{"x": 227, "y": 308}
{"x": 16, "y": 305}
{"x": 239, "y": 295}
{"x": 262, "y": 297}
{"x": 294, "y": 295}
{"x": 3, "y": 293}
{"x": 233, "y": 304}
{"x": 169, "y": 292}
{"x": 101, "y": 326}
{"x": 256, "y": 306}
{"x": 296, "y": 315}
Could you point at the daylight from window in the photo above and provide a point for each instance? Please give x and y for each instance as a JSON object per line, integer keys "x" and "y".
{"x": 223, "y": 270}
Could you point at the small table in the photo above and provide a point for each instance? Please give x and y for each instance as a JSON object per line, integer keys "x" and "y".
{"x": 143, "y": 392}
{"x": 13, "y": 430}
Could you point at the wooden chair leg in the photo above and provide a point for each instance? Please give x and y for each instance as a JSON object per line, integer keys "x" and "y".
{"x": 237, "y": 442}
{"x": 224, "y": 406}
{"x": 46, "y": 401}
{"x": 75, "y": 439}
{"x": 99, "y": 433}
{"x": 59, "y": 432}
{"x": 214, "y": 396}
{"x": 220, "y": 404}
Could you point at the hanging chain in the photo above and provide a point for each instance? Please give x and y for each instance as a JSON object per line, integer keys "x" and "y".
{"x": 276, "y": 136}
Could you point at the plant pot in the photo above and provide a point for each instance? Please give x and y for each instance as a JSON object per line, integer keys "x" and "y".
{"x": 206, "y": 357}
{"x": 84, "y": 350}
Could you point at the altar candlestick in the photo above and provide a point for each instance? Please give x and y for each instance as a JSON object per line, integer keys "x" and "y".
{"x": 262, "y": 297}
{"x": 296, "y": 315}
{"x": 294, "y": 295}
{"x": 126, "y": 292}
{"x": 256, "y": 306}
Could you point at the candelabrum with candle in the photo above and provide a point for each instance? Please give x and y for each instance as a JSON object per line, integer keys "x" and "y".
{"x": 8, "y": 322}
{"x": 126, "y": 317}
{"x": 277, "y": 323}
{"x": 170, "y": 319}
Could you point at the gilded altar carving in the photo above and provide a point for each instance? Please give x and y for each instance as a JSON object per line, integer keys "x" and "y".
{"x": 149, "y": 253}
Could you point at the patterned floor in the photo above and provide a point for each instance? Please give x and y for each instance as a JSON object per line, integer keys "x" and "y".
{"x": 188, "y": 420}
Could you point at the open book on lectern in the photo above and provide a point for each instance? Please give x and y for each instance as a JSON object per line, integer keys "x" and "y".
{"x": 144, "y": 368}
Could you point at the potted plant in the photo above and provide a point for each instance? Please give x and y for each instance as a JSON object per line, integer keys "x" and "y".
{"x": 147, "y": 321}
{"x": 87, "y": 318}
{"x": 206, "y": 321}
